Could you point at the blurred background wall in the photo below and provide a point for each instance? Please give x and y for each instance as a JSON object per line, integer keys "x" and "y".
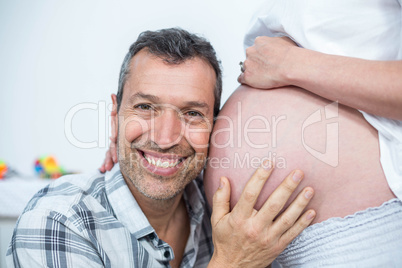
{"x": 60, "y": 62}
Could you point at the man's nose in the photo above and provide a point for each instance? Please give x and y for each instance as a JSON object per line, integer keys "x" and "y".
{"x": 168, "y": 129}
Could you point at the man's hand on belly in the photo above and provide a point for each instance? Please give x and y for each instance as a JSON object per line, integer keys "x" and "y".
{"x": 246, "y": 237}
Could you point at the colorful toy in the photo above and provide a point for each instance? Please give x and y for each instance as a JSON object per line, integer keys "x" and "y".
{"x": 47, "y": 167}
{"x": 3, "y": 169}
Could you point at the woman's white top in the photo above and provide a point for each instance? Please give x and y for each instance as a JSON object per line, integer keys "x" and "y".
{"x": 368, "y": 29}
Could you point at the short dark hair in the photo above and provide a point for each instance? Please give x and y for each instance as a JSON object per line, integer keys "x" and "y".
{"x": 174, "y": 46}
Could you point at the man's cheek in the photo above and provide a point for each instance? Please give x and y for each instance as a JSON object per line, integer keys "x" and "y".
{"x": 133, "y": 129}
{"x": 198, "y": 135}
{"x": 199, "y": 140}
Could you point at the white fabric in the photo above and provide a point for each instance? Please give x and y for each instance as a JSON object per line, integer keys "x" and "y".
{"x": 356, "y": 28}
{"x": 353, "y": 241}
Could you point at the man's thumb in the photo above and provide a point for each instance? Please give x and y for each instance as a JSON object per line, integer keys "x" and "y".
{"x": 221, "y": 201}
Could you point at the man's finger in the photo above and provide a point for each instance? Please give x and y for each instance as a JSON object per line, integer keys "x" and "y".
{"x": 280, "y": 196}
{"x": 102, "y": 169}
{"x": 221, "y": 201}
{"x": 245, "y": 206}
{"x": 108, "y": 161}
{"x": 113, "y": 152}
{"x": 113, "y": 148}
{"x": 302, "y": 223}
{"x": 287, "y": 219}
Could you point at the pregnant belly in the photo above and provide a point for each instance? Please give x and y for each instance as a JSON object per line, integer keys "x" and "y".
{"x": 333, "y": 144}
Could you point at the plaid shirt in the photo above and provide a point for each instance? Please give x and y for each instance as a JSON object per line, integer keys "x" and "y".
{"x": 94, "y": 221}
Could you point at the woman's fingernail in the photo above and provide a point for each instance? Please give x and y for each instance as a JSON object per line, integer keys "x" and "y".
{"x": 297, "y": 176}
{"x": 267, "y": 165}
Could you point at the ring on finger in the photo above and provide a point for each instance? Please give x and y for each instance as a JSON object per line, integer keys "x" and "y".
{"x": 242, "y": 67}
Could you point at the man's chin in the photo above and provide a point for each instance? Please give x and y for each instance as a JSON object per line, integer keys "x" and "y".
{"x": 161, "y": 197}
{"x": 159, "y": 182}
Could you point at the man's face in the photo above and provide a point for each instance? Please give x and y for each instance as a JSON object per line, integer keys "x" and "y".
{"x": 164, "y": 124}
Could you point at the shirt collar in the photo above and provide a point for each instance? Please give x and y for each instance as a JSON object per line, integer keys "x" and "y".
{"x": 129, "y": 213}
{"x": 124, "y": 205}
{"x": 195, "y": 201}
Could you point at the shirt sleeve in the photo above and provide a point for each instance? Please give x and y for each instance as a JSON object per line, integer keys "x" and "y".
{"x": 49, "y": 239}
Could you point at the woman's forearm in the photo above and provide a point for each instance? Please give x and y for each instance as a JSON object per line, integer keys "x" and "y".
{"x": 371, "y": 86}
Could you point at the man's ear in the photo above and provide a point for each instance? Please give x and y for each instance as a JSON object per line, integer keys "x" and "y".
{"x": 114, "y": 121}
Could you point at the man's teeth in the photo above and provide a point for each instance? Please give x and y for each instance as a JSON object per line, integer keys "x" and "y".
{"x": 160, "y": 163}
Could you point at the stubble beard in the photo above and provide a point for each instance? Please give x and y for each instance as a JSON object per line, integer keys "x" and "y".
{"x": 154, "y": 186}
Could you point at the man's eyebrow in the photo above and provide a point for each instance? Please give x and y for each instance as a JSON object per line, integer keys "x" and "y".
{"x": 156, "y": 99}
{"x": 141, "y": 95}
{"x": 196, "y": 104}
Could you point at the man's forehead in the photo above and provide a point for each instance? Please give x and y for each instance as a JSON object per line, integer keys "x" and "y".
{"x": 191, "y": 79}
{"x": 152, "y": 64}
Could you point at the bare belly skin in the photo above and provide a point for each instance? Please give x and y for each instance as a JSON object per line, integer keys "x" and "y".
{"x": 335, "y": 147}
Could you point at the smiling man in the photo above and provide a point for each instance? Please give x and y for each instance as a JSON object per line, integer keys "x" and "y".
{"x": 165, "y": 114}
{"x": 150, "y": 209}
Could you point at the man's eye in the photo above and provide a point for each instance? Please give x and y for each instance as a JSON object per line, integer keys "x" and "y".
{"x": 144, "y": 107}
{"x": 194, "y": 114}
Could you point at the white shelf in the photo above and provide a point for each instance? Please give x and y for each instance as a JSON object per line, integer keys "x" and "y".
{"x": 15, "y": 192}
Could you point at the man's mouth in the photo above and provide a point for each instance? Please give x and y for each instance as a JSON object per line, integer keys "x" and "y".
{"x": 161, "y": 164}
